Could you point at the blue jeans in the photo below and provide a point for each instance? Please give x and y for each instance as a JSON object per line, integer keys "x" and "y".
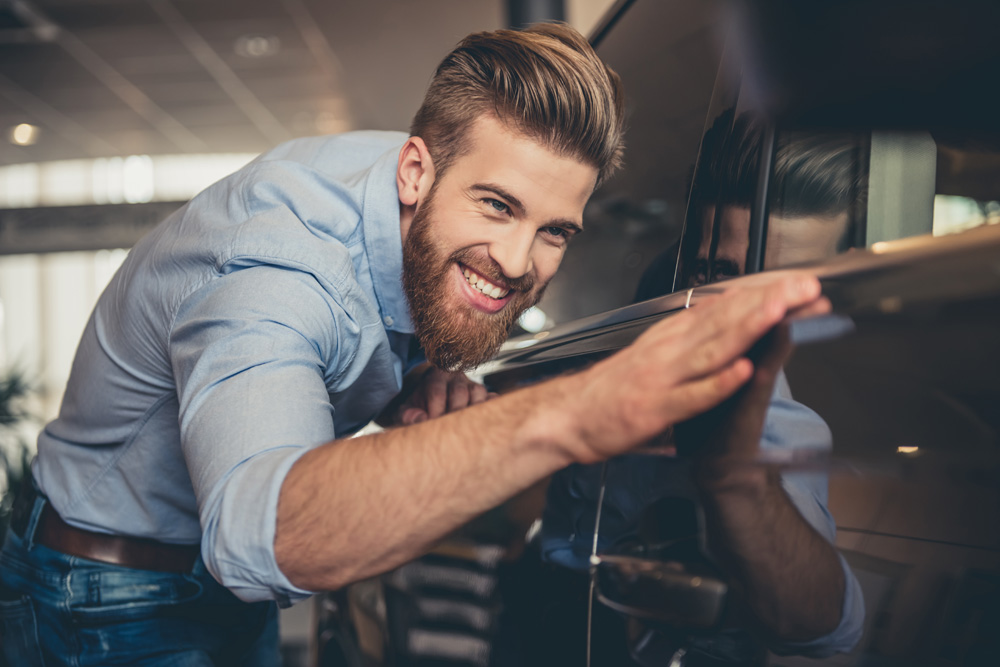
{"x": 64, "y": 610}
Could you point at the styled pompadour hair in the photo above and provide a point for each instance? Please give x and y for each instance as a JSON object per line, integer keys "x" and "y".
{"x": 545, "y": 82}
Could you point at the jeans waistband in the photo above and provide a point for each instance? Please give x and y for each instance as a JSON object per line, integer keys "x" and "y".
{"x": 35, "y": 521}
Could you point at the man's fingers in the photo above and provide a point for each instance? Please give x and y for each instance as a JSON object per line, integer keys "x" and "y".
{"x": 777, "y": 348}
{"x": 760, "y": 306}
{"x": 727, "y": 327}
{"x": 820, "y": 306}
{"x": 436, "y": 391}
{"x": 477, "y": 393}
{"x": 701, "y": 394}
{"x": 412, "y": 416}
{"x": 459, "y": 395}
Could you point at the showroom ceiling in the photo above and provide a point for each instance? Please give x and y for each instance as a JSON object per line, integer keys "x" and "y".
{"x": 120, "y": 77}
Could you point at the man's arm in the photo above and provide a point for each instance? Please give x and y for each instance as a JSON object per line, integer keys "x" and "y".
{"x": 352, "y": 509}
{"x": 791, "y": 576}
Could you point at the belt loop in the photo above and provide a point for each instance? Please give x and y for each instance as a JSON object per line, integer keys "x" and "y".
{"x": 27, "y": 510}
{"x": 36, "y": 513}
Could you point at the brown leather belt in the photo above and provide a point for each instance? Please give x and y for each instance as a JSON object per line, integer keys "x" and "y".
{"x": 134, "y": 552}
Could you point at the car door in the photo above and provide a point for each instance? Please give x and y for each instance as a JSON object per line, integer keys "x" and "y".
{"x": 903, "y": 374}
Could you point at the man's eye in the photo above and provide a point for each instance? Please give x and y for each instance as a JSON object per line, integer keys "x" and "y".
{"x": 558, "y": 232}
{"x": 498, "y": 205}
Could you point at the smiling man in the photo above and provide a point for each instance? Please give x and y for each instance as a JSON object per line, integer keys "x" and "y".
{"x": 488, "y": 237}
{"x": 199, "y": 470}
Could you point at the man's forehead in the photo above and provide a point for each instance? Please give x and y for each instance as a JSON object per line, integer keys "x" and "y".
{"x": 522, "y": 166}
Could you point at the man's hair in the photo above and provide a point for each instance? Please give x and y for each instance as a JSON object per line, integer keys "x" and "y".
{"x": 815, "y": 173}
{"x": 545, "y": 82}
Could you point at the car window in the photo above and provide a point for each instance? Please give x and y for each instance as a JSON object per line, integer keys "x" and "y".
{"x": 636, "y": 218}
{"x": 830, "y": 191}
{"x": 894, "y": 184}
{"x": 817, "y": 184}
{"x": 967, "y": 183}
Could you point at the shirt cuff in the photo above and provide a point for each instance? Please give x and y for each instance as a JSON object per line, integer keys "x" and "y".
{"x": 846, "y": 636}
{"x": 239, "y": 522}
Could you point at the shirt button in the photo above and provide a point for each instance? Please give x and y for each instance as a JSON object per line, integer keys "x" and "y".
{"x": 387, "y": 320}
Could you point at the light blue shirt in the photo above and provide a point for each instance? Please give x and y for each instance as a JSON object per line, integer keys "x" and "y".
{"x": 635, "y": 481}
{"x": 262, "y": 319}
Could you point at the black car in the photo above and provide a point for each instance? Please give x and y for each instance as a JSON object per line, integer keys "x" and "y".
{"x": 858, "y": 139}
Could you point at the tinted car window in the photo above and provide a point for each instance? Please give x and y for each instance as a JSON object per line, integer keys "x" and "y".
{"x": 829, "y": 191}
{"x": 817, "y": 189}
{"x": 967, "y": 183}
{"x": 668, "y": 56}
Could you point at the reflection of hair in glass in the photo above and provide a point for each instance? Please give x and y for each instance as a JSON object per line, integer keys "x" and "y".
{"x": 815, "y": 173}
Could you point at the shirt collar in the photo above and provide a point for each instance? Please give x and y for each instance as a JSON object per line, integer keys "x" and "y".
{"x": 384, "y": 244}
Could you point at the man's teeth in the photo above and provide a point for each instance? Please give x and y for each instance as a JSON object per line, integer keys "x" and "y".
{"x": 483, "y": 285}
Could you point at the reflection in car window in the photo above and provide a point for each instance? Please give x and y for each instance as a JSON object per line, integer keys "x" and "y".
{"x": 967, "y": 189}
{"x": 815, "y": 200}
{"x": 669, "y": 85}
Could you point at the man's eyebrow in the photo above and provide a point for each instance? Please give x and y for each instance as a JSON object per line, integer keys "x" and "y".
{"x": 503, "y": 194}
{"x": 516, "y": 204}
{"x": 724, "y": 266}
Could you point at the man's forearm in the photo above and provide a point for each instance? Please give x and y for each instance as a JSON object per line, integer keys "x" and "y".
{"x": 791, "y": 575}
{"x": 354, "y": 508}
{"x": 351, "y": 509}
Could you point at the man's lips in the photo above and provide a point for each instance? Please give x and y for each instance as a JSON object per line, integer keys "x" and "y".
{"x": 482, "y": 293}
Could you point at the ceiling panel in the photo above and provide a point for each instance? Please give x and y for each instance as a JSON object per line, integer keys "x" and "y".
{"x": 125, "y": 76}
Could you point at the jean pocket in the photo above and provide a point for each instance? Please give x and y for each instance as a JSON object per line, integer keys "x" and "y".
{"x": 19, "y": 631}
{"x": 135, "y": 595}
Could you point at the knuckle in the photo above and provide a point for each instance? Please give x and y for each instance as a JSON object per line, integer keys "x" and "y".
{"x": 705, "y": 356}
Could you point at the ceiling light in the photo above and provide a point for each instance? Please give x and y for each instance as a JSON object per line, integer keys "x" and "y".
{"x": 257, "y": 46}
{"x": 908, "y": 450}
{"x": 24, "y": 134}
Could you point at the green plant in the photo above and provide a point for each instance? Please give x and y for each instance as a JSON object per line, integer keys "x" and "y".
{"x": 15, "y": 455}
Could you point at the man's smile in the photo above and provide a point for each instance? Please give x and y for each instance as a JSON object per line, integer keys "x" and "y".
{"x": 483, "y": 294}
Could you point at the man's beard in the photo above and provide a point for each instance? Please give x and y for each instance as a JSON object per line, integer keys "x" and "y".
{"x": 455, "y": 336}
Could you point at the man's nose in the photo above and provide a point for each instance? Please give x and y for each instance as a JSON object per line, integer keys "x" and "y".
{"x": 513, "y": 252}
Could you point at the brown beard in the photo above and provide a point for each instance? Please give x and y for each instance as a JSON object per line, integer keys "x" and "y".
{"x": 456, "y": 338}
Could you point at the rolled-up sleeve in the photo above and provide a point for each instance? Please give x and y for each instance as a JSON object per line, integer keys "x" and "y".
{"x": 792, "y": 425}
{"x": 253, "y": 354}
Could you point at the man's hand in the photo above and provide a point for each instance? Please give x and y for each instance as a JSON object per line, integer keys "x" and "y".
{"x": 430, "y": 392}
{"x": 397, "y": 492}
{"x": 684, "y": 365}
{"x": 727, "y": 437}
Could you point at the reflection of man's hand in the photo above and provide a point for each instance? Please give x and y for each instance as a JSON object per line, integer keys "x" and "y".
{"x": 725, "y": 441}
{"x": 430, "y": 392}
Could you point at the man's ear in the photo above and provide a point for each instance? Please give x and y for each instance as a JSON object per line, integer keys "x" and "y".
{"x": 415, "y": 172}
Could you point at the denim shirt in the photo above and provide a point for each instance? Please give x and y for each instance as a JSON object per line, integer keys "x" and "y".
{"x": 264, "y": 318}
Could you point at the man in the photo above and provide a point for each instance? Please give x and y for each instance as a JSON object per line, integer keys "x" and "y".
{"x": 267, "y": 317}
